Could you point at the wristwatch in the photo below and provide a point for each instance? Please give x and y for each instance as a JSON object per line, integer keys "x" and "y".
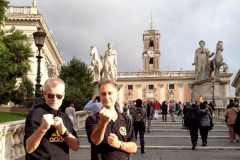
{"x": 121, "y": 146}
{"x": 65, "y": 134}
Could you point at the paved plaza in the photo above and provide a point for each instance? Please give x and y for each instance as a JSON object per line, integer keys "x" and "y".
{"x": 168, "y": 141}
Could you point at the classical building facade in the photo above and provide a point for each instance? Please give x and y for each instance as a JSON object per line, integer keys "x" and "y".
{"x": 27, "y": 19}
{"x": 154, "y": 84}
{"x": 236, "y": 84}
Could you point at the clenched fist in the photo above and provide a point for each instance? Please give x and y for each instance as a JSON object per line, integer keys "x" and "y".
{"x": 47, "y": 121}
{"x": 113, "y": 141}
{"x": 105, "y": 115}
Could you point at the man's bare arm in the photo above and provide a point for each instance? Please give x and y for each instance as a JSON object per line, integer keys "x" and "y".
{"x": 98, "y": 134}
{"x": 34, "y": 140}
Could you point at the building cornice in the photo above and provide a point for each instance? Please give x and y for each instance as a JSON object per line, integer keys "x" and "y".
{"x": 30, "y": 14}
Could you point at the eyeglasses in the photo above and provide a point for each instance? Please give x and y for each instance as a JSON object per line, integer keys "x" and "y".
{"x": 51, "y": 96}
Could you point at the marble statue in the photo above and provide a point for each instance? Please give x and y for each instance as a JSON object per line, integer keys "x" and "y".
{"x": 201, "y": 61}
{"x": 96, "y": 64}
{"x": 216, "y": 62}
{"x": 109, "y": 70}
{"x": 34, "y": 2}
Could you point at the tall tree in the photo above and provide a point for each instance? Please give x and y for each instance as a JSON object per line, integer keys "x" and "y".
{"x": 78, "y": 79}
{"x": 3, "y": 7}
{"x": 14, "y": 61}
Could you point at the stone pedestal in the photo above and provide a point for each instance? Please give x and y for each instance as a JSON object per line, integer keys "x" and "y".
{"x": 205, "y": 89}
{"x": 95, "y": 86}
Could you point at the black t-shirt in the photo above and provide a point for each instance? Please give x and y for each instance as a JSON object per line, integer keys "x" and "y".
{"x": 122, "y": 127}
{"x": 52, "y": 145}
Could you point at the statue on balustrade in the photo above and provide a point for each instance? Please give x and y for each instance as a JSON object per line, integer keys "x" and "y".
{"x": 201, "y": 61}
{"x": 109, "y": 70}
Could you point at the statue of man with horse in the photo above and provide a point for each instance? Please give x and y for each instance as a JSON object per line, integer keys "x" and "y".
{"x": 96, "y": 64}
{"x": 107, "y": 70}
{"x": 216, "y": 62}
{"x": 201, "y": 61}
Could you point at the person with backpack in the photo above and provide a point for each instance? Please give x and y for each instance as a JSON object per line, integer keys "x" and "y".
{"x": 205, "y": 122}
{"x": 192, "y": 120}
{"x": 230, "y": 116}
{"x": 164, "y": 109}
{"x": 138, "y": 119}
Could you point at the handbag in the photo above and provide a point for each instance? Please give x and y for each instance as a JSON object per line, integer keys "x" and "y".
{"x": 211, "y": 123}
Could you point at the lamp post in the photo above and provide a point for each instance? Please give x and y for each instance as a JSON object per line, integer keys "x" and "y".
{"x": 39, "y": 38}
{"x": 213, "y": 101}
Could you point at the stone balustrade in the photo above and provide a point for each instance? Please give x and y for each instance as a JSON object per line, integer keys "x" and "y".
{"x": 12, "y": 133}
{"x": 22, "y": 10}
{"x": 157, "y": 74}
{"x": 219, "y": 112}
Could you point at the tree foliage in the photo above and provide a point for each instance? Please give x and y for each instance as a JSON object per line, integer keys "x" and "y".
{"x": 78, "y": 80}
{"x": 14, "y": 62}
{"x": 3, "y": 7}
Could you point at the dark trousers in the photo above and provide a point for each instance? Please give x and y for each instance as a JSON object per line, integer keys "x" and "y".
{"x": 194, "y": 134}
{"x": 164, "y": 117}
{"x": 141, "y": 128}
{"x": 204, "y": 133}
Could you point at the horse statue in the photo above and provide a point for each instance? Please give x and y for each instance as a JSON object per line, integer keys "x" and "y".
{"x": 96, "y": 64}
{"x": 216, "y": 62}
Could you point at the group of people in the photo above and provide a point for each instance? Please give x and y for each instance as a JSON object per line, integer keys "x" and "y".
{"x": 198, "y": 117}
{"x": 49, "y": 133}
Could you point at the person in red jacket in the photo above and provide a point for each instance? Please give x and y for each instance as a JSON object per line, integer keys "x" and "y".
{"x": 156, "y": 107}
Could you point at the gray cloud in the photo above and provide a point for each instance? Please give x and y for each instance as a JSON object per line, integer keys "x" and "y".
{"x": 78, "y": 24}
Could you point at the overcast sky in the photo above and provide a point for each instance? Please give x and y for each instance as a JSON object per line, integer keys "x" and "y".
{"x": 78, "y": 24}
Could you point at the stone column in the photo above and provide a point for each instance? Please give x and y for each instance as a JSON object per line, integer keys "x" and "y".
{"x": 120, "y": 96}
{"x": 180, "y": 92}
{"x": 139, "y": 91}
{"x": 161, "y": 96}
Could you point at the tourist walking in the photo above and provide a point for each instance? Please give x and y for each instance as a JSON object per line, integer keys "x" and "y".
{"x": 126, "y": 112}
{"x": 230, "y": 117}
{"x": 150, "y": 112}
{"x": 205, "y": 120}
{"x": 156, "y": 106}
{"x": 180, "y": 106}
{"x": 172, "y": 109}
{"x": 164, "y": 109}
{"x": 192, "y": 120}
{"x": 236, "y": 102}
{"x": 70, "y": 111}
{"x": 139, "y": 119}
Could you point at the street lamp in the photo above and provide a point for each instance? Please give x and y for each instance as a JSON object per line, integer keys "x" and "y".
{"x": 213, "y": 101}
{"x": 39, "y": 38}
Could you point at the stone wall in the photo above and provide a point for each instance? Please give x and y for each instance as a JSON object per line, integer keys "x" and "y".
{"x": 14, "y": 109}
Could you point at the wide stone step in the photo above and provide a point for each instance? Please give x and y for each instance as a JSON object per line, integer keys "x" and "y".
{"x": 179, "y": 147}
{"x": 170, "y": 136}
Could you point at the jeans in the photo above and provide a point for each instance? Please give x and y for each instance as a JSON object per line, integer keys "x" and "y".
{"x": 149, "y": 123}
{"x": 141, "y": 128}
{"x": 194, "y": 134}
{"x": 156, "y": 114}
{"x": 164, "y": 117}
{"x": 204, "y": 133}
{"x": 172, "y": 115}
